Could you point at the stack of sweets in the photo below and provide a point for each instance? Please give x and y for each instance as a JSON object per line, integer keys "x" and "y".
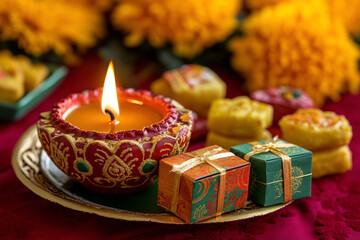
{"x": 239, "y": 120}
{"x": 18, "y": 75}
{"x": 11, "y": 81}
{"x": 324, "y": 133}
{"x": 280, "y": 172}
{"x": 194, "y": 86}
{"x": 203, "y": 184}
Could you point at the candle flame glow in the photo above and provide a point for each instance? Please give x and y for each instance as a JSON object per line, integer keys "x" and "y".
{"x": 109, "y": 99}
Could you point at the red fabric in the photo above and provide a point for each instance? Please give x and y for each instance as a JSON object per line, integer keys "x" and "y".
{"x": 333, "y": 211}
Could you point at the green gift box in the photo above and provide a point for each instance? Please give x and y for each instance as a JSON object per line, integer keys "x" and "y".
{"x": 266, "y": 185}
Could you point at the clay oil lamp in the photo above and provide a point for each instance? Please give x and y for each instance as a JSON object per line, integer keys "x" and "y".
{"x": 111, "y": 140}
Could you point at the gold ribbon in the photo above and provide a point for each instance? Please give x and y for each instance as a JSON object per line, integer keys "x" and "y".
{"x": 197, "y": 159}
{"x": 274, "y": 146}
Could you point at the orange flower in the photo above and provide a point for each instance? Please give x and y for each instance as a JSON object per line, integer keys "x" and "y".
{"x": 348, "y": 12}
{"x": 257, "y": 4}
{"x": 297, "y": 44}
{"x": 99, "y": 5}
{"x": 44, "y": 26}
{"x": 190, "y": 26}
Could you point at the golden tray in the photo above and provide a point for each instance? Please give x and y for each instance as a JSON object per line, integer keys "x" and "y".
{"x": 37, "y": 172}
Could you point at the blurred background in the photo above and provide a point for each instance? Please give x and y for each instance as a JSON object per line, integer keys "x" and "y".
{"x": 311, "y": 45}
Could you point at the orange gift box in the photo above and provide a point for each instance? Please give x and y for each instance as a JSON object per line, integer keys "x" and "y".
{"x": 203, "y": 184}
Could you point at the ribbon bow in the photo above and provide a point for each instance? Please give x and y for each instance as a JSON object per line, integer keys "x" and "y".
{"x": 198, "y": 159}
{"x": 275, "y": 147}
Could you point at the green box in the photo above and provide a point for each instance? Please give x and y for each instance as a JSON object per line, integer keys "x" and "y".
{"x": 266, "y": 182}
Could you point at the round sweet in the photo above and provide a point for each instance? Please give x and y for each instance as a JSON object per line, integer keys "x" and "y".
{"x": 285, "y": 100}
{"x": 113, "y": 163}
{"x": 314, "y": 129}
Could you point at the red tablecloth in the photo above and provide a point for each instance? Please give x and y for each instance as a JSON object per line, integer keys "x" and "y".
{"x": 333, "y": 211}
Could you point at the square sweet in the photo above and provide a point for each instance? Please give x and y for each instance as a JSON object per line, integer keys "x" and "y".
{"x": 198, "y": 193}
{"x": 11, "y": 81}
{"x": 239, "y": 117}
{"x": 331, "y": 161}
{"x": 194, "y": 86}
{"x": 316, "y": 130}
{"x": 266, "y": 185}
{"x": 226, "y": 142}
{"x": 18, "y": 76}
{"x": 34, "y": 73}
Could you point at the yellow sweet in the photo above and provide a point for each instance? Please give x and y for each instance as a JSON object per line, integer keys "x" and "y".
{"x": 194, "y": 86}
{"x": 239, "y": 117}
{"x": 331, "y": 161}
{"x": 314, "y": 129}
{"x": 18, "y": 76}
{"x": 34, "y": 73}
{"x": 11, "y": 82}
{"x": 226, "y": 142}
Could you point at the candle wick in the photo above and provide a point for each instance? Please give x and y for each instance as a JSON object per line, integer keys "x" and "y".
{"x": 112, "y": 120}
{"x": 112, "y": 117}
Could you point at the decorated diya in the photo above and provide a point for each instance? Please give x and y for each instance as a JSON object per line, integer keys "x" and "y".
{"x": 111, "y": 140}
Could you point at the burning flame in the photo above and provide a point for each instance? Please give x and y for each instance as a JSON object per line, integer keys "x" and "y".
{"x": 109, "y": 99}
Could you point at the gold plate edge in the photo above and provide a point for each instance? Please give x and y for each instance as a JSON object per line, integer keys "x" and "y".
{"x": 122, "y": 215}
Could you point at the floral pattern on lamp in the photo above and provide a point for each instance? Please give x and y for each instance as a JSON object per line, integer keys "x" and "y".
{"x": 114, "y": 163}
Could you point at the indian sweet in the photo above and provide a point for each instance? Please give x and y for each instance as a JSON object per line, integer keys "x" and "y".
{"x": 194, "y": 86}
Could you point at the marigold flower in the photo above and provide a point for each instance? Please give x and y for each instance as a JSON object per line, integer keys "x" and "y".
{"x": 43, "y": 26}
{"x": 190, "y": 26}
{"x": 297, "y": 44}
{"x": 257, "y": 4}
{"x": 99, "y": 5}
{"x": 348, "y": 12}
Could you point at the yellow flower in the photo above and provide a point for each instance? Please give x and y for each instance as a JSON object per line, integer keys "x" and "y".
{"x": 348, "y": 11}
{"x": 297, "y": 44}
{"x": 257, "y": 4}
{"x": 189, "y": 25}
{"x": 44, "y": 26}
{"x": 99, "y": 5}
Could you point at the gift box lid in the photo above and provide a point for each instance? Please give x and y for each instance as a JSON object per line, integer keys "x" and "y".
{"x": 205, "y": 170}
{"x": 271, "y": 164}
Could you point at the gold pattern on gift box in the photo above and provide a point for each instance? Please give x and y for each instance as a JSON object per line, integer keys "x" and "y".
{"x": 297, "y": 174}
{"x": 253, "y": 180}
{"x": 199, "y": 213}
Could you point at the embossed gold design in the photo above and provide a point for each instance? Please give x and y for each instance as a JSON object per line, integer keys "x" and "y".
{"x": 199, "y": 213}
{"x": 77, "y": 176}
{"x": 185, "y": 117}
{"x": 117, "y": 167}
{"x": 103, "y": 182}
{"x": 60, "y": 154}
{"x": 27, "y": 163}
{"x": 252, "y": 185}
{"x": 297, "y": 174}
